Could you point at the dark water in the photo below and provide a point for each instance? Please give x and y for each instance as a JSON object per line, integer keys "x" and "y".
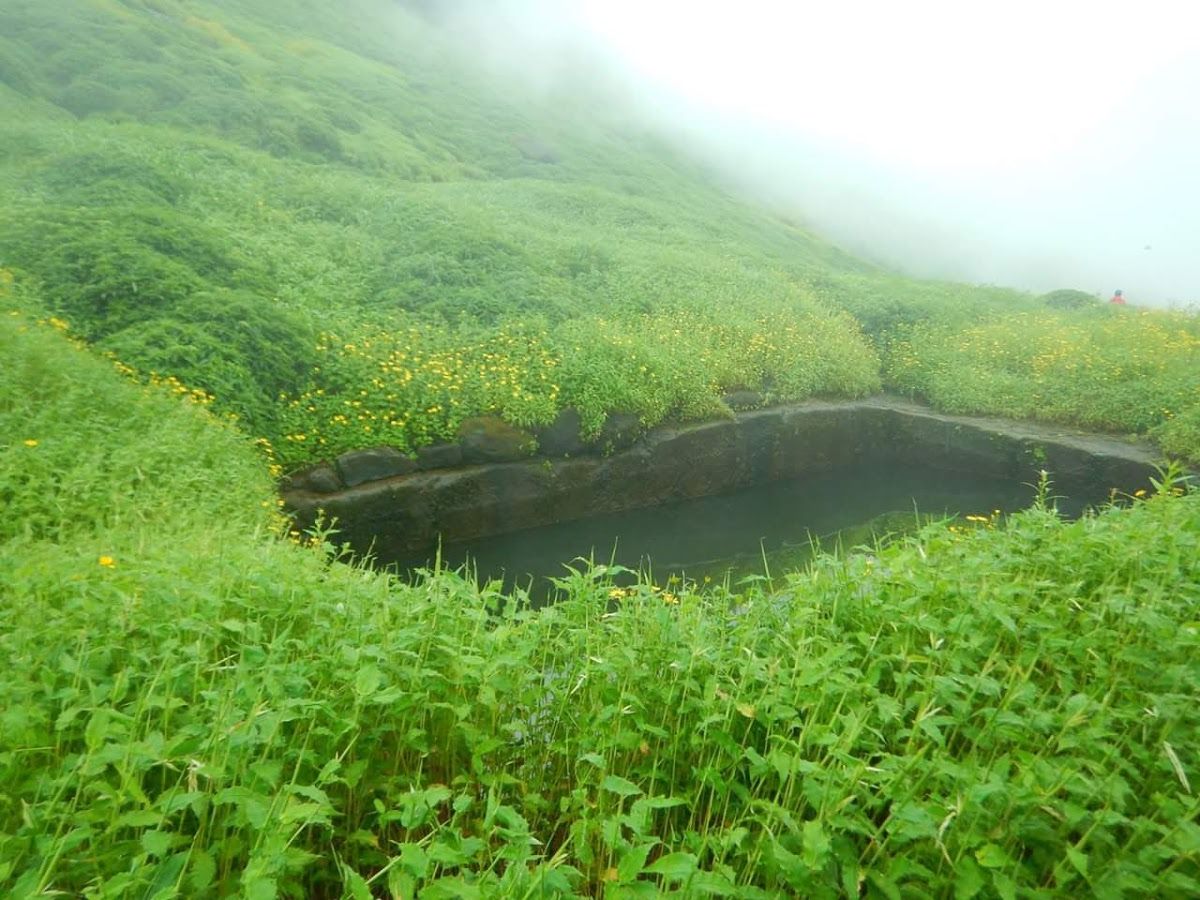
{"x": 732, "y": 535}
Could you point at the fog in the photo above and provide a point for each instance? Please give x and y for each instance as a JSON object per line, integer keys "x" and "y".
{"x": 1035, "y": 145}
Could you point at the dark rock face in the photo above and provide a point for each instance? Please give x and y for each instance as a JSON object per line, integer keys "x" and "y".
{"x": 743, "y": 400}
{"x": 487, "y": 439}
{"x": 360, "y": 466}
{"x": 561, "y": 437}
{"x": 619, "y": 431}
{"x": 677, "y": 463}
{"x": 320, "y": 479}
{"x": 439, "y": 456}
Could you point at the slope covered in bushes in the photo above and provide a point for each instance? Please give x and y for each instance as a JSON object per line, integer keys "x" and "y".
{"x": 313, "y": 223}
{"x": 196, "y": 707}
{"x": 213, "y": 191}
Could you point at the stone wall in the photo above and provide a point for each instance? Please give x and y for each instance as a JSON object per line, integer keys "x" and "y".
{"x": 379, "y": 491}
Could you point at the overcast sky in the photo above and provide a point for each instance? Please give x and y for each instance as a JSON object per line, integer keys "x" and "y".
{"x": 1035, "y": 144}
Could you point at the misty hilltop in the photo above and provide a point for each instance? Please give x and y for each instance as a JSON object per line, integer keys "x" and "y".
{"x": 176, "y": 173}
{"x": 364, "y": 223}
{"x": 256, "y": 248}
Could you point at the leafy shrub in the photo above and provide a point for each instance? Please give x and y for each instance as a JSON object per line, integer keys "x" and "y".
{"x": 1179, "y": 434}
{"x": 1114, "y": 370}
{"x": 235, "y": 346}
{"x": 192, "y": 704}
{"x": 107, "y": 269}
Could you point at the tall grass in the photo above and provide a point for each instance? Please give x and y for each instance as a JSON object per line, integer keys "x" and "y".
{"x": 410, "y": 384}
{"x": 1130, "y": 371}
{"x": 195, "y": 707}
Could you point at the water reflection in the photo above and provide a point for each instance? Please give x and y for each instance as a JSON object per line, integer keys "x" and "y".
{"x": 730, "y": 535}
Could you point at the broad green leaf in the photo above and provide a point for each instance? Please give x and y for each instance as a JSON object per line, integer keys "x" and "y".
{"x": 97, "y": 730}
{"x": 673, "y": 866}
{"x": 816, "y": 845}
{"x": 618, "y": 785}
{"x": 969, "y": 879}
{"x": 633, "y": 861}
{"x": 663, "y": 802}
{"x": 713, "y": 884}
{"x": 157, "y": 843}
{"x": 367, "y": 681}
{"x": 1005, "y": 886}
{"x": 203, "y": 870}
{"x": 259, "y": 887}
{"x": 255, "y": 807}
{"x": 992, "y": 856}
{"x": 884, "y": 885}
{"x": 414, "y": 860}
{"x": 356, "y": 885}
{"x": 1079, "y": 860}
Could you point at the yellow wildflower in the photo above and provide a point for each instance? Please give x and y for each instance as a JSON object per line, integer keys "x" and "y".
{"x": 30, "y": 442}
{"x": 107, "y": 562}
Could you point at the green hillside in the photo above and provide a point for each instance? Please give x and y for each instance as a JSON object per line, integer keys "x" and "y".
{"x": 202, "y": 191}
{"x": 311, "y": 215}
{"x": 304, "y": 227}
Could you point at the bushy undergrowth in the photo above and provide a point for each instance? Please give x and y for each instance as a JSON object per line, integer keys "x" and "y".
{"x": 887, "y": 305}
{"x": 407, "y": 386}
{"x": 323, "y": 226}
{"x": 195, "y": 707}
{"x": 1111, "y": 369}
{"x": 202, "y": 189}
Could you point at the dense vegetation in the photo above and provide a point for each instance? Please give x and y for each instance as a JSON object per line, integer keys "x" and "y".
{"x": 1109, "y": 370}
{"x": 316, "y": 229}
{"x": 194, "y": 707}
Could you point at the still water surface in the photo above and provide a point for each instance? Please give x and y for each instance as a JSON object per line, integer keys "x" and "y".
{"x": 728, "y": 535}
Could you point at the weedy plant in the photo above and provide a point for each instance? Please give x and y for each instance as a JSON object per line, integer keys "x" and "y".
{"x": 1128, "y": 371}
{"x": 195, "y": 706}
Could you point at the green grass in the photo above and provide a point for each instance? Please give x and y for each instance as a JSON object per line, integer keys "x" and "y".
{"x": 221, "y": 226}
{"x": 1125, "y": 371}
{"x": 205, "y": 191}
{"x": 194, "y": 706}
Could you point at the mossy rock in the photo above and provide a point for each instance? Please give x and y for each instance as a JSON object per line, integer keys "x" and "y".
{"x": 487, "y": 439}
{"x": 562, "y": 436}
{"x": 374, "y": 464}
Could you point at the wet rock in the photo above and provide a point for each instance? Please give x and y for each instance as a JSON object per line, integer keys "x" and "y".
{"x": 671, "y": 463}
{"x": 561, "y": 437}
{"x": 486, "y": 439}
{"x": 320, "y": 479}
{"x": 620, "y": 430}
{"x": 360, "y": 466}
{"x": 439, "y": 456}
{"x": 743, "y": 399}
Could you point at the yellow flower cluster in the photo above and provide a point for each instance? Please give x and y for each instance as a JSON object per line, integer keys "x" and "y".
{"x": 1126, "y": 372}
{"x": 662, "y": 594}
{"x": 410, "y": 386}
{"x": 177, "y": 387}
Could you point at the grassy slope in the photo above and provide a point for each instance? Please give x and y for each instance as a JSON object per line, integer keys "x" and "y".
{"x": 201, "y": 190}
{"x": 193, "y": 706}
{"x": 211, "y": 193}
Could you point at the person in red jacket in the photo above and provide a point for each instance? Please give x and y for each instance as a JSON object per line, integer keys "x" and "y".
{"x": 1118, "y": 297}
